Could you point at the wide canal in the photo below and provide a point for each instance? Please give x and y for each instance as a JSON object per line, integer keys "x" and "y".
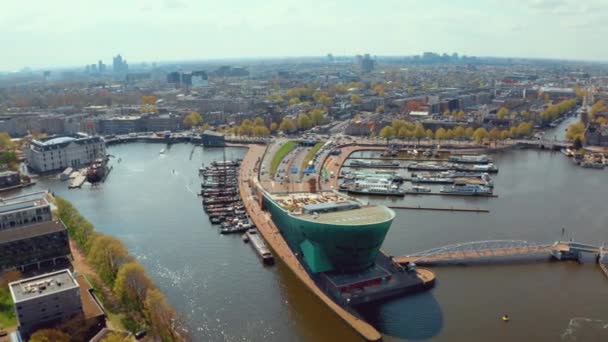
{"x": 216, "y": 282}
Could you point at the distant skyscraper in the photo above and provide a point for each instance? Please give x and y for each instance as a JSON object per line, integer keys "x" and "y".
{"x": 101, "y": 67}
{"x": 366, "y": 63}
{"x": 119, "y": 66}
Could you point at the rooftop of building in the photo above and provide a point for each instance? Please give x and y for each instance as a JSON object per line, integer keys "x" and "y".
{"x": 42, "y": 285}
{"x": 32, "y": 200}
{"x": 30, "y": 231}
{"x": 332, "y": 208}
{"x": 208, "y": 132}
{"x": 56, "y": 140}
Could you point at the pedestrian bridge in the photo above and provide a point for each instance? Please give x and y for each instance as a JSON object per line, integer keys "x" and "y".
{"x": 498, "y": 251}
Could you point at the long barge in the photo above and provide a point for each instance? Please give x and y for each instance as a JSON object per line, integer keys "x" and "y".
{"x": 340, "y": 261}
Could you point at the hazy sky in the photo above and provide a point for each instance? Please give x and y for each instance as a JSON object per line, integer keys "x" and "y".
{"x": 76, "y": 32}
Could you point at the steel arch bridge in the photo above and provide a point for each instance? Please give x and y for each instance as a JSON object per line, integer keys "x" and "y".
{"x": 480, "y": 251}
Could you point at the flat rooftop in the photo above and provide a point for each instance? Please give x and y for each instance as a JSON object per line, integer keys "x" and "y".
{"x": 26, "y": 232}
{"x": 347, "y": 211}
{"x": 363, "y": 215}
{"x": 42, "y": 285}
{"x": 21, "y": 204}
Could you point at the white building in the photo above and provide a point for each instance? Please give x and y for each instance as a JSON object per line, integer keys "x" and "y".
{"x": 59, "y": 152}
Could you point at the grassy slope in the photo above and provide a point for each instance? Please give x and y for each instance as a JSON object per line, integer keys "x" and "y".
{"x": 281, "y": 153}
{"x": 311, "y": 154}
{"x": 7, "y": 313}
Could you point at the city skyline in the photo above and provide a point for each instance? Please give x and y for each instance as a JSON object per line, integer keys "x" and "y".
{"x": 189, "y": 30}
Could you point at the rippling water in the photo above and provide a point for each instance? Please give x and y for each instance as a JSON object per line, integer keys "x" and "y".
{"x": 219, "y": 285}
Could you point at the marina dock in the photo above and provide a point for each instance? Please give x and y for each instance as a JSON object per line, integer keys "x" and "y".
{"x": 448, "y": 194}
{"x": 78, "y": 181}
{"x": 471, "y": 210}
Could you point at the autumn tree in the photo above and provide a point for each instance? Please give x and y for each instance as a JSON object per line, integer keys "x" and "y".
{"x": 419, "y": 132}
{"x": 116, "y": 337}
{"x": 502, "y": 113}
{"x": 494, "y": 135}
{"x": 5, "y": 141}
{"x": 380, "y": 109}
{"x": 440, "y": 134}
{"x": 161, "y": 315}
{"x": 356, "y": 99}
{"x": 107, "y": 254}
{"x": 480, "y": 135}
{"x": 49, "y": 335}
{"x": 387, "y": 132}
{"x": 317, "y": 116}
{"x": 576, "y": 130}
{"x": 132, "y": 284}
{"x": 468, "y": 133}
{"x": 287, "y": 125}
{"x": 304, "y": 121}
{"x": 459, "y": 132}
{"x": 273, "y": 127}
{"x": 193, "y": 119}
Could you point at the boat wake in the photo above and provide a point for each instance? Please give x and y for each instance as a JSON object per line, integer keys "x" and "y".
{"x": 586, "y": 329}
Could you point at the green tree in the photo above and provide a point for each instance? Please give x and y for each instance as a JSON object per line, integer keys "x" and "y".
{"x": 193, "y": 119}
{"x": 259, "y": 122}
{"x": 132, "y": 284}
{"x": 49, "y": 335}
{"x": 429, "y": 134}
{"x": 356, "y": 99}
{"x": 380, "y": 109}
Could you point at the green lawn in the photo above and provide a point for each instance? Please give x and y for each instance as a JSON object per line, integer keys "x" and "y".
{"x": 7, "y": 312}
{"x": 281, "y": 153}
{"x": 311, "y": 155}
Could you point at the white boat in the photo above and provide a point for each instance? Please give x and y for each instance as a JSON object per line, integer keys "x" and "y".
{"x": 162, "y": 151}
{"x": 420, "y": 189}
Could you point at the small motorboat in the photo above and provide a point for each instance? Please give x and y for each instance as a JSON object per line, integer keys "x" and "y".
{"x": 506, "y": 318}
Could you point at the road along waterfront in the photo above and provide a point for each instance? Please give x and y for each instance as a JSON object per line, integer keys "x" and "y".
{"x": 149, "y": 202}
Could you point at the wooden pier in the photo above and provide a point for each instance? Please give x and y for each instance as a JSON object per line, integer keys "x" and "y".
{"x": 471, "y": 210}
{"x": 447, "y": 194}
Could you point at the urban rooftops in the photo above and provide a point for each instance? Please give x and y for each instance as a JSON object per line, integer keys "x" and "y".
{"x": 37, "y": 199}
{"x": 42, "y": 285}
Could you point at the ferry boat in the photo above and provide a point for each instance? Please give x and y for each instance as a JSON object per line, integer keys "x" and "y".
{"x": 476, "y": 168}
{"x": 337, "y": 241}
{"x": 592, "y": 165}
{"x": 419, "y": 189}
{"x": 467, "y": 190}
{"x": 426, "y": 178}
{"x": 259, "y": 246}
{"x": 470, "y": 159}
{"x": 429, "y": 166}
{"x": 369, "y": 163}
{"x": 377, "y": 190}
